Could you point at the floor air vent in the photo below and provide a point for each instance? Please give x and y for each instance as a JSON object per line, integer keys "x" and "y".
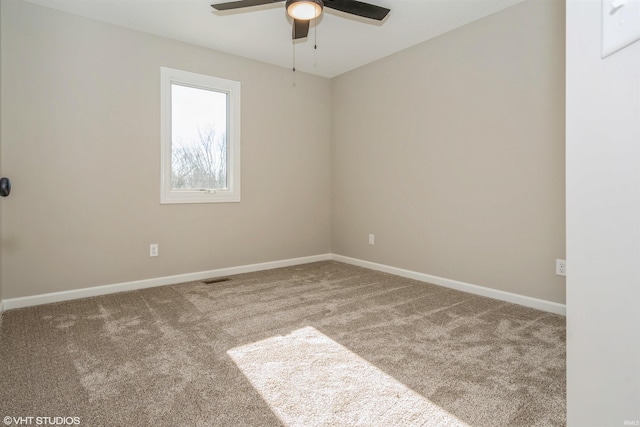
{"x": 215, "y": 280}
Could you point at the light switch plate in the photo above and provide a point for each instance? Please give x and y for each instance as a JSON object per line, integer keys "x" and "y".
{"x": 620, "y": 24}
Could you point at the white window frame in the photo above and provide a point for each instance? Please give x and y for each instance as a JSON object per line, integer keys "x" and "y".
{"x": 169, "y": 76}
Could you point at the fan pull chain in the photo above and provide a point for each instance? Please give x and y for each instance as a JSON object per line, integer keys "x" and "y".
{"x": 293, "y": 47}
{"x": 293, "y": 74}
{"x": 315, "y": 34}
{"x": 315, "y": 42}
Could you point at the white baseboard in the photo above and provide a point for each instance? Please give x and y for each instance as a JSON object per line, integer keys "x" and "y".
{"x": 12, "y": 303}
{"x": 21, "y": 302}
{"x": 552, "y": 307}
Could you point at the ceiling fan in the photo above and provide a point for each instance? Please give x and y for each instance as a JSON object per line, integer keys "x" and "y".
{"x": 302, "y": 11}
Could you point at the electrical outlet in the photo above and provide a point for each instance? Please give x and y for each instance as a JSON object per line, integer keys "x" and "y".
{"x": 561, "y": 267}
{"x": 372, "y": 239}
{"x": 153, "y": 249}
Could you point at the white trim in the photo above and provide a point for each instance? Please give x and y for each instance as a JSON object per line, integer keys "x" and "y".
{"x": 29, "y": 301}
{"x": 552, "y": 307}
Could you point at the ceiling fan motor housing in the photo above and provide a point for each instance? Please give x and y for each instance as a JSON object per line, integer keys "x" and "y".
{"x": 304, "y": 10}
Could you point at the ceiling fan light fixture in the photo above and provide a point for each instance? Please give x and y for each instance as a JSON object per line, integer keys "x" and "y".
{"x": 304, "y": 10}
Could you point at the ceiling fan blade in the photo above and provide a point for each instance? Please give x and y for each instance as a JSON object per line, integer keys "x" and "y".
{"x": 242, "y": 3}
{"x": 300, "y": 29}
{"x": 359, "y": 8}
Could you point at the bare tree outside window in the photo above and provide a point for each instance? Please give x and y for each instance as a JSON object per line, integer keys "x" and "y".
{"x": 200, "y": 165}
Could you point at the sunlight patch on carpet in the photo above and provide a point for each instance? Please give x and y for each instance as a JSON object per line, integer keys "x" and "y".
{"x": 309, "y": 379}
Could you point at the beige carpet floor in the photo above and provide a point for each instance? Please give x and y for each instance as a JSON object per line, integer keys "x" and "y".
{"x": 324, "y": 344}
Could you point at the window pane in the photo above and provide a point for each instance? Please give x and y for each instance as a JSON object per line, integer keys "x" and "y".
{"x": 198, "y": 139}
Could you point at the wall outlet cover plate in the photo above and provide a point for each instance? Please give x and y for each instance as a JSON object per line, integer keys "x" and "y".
{"x": 620, "y": 24}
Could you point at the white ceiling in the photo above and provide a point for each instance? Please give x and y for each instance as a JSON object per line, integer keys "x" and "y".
{"x": 263, "y": 33}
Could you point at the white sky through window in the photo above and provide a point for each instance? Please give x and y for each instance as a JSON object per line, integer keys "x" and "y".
{"x": 194, "y": 109}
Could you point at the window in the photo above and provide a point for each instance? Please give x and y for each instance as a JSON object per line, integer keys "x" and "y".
{"x": 200, "y": 138}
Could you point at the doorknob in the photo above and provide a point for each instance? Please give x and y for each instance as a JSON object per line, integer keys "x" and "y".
{"x": 5, "y": 187}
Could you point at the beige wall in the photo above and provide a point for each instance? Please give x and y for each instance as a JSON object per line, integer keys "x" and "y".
{"x": 452, "y": 154}
{"x": 81, "y": 142}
